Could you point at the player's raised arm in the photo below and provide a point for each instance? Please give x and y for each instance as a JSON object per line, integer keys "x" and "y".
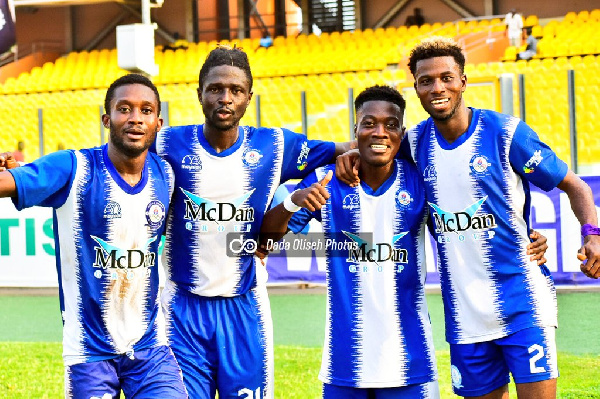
{"x": 8, "y": 188}
{"x": 582, "y": 203}
{"x": 342, "y": 148}
{"x": 312, "y": 198}
{"x": 346, "y": 167}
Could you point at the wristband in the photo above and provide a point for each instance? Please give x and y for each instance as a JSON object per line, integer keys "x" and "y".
{"x": 590, "y": 229}
{"x": 289, "y": 205}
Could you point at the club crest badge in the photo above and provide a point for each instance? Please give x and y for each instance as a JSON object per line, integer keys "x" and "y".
{"x": 155, "y": 213}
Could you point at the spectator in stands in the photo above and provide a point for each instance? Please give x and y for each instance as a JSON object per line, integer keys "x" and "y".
{"x": 19, "y": 155}
{"x": 531, "y": 49}
{"x": 416, "y": 19}
{"x": 514, "y": 27}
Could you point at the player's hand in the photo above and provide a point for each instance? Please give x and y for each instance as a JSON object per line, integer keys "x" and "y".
{"x": 314, "y": 197}
{"x": 589, "y": 255}
{"x": 261, "y": 253}
{"x": 538, "y": 247}
{"x": 7, "y": 161}
{"x": 346, "y": 167}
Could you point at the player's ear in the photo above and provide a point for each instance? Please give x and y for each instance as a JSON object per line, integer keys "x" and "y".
{"x": 106, "y": 120}
{"x": 199, "y": 91}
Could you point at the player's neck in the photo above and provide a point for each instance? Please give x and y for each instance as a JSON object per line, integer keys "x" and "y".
{"x": 221, "y": 140}
{"x": 456, "y": 126}
{"x": 374, "y": 176}
{"x": 129, "y": 168}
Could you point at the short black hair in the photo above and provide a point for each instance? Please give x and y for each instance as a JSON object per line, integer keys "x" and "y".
{"x": 130, "y": 79}
{"x": 433, "y": 47}
{"x": 224, "y": 55}
{"x": 380, "y": 93}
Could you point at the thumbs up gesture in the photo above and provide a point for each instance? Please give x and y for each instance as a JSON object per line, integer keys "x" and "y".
{"x": 314, "y": 197}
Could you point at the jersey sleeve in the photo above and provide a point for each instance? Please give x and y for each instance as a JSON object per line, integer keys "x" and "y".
{"x": 302, "y": 156}
{"x": 301, "y": 218}
{"x": 534, "y": 161}
{"x": 45, "y": 181}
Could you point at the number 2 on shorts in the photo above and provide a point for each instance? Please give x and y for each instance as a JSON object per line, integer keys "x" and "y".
{"x": 538, "y": 351}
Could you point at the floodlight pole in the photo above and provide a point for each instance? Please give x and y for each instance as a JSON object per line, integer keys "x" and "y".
{"x": 146, "y": 12}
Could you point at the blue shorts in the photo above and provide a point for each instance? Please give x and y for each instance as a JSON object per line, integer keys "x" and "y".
{"x": 222, "y": 344}
{"x": 427, "y": 390}
{"x": 152, "y": 373}
{"x": 479, "y": 368}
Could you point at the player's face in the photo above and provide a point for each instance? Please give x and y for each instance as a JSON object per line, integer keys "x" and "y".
{"x": 379, "y": 131}
{"x": 439, "y": 85}
{"x": 224, "y": 95}
{"x": 133, "y": 119}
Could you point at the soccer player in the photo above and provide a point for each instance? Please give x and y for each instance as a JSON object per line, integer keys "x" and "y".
{"x": 378, "y": 340}
{"x": 500, "y": 306}
{"x": 110, "y": 204}
{"x": 218, "y": 316}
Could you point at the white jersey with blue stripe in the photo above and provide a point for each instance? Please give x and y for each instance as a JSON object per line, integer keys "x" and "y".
{"x": 226, "y": 192}
{"x": 107, "y": 235}
{"x": 478, "y": 192}
{"x": 378, "y": 332}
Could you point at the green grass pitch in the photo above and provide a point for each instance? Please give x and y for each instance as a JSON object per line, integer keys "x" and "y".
{"x": 31, "y": 364}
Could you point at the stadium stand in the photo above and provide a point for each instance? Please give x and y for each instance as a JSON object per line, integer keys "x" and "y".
{"x": 70, "y": 89}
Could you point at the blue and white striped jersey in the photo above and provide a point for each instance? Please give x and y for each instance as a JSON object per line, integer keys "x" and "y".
{"x": 378, "y": 332}
{"x": 478, "y": 192}
{"x": 107, "y": 235}
{"x": 226, "y": 192}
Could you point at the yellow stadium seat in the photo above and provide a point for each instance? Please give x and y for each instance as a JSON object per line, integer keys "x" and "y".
{"x": 583, "y": 16}
{"x": 531, "y": 20}
{"x": 550, "y": 29}
{"x": 570, "y": 17}
{"x": 510, "y": 54}
{"x": 589, "y": 60}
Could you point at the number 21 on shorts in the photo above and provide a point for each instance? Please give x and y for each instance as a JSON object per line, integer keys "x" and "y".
{"x": 248, "y": 394}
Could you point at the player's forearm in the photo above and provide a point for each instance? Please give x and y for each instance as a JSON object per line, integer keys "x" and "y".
{"x": 581, "y": 198}
{"x": 275, "y": 224}
{"x": 8, "y": 188}
{"x": 341, "y": 148}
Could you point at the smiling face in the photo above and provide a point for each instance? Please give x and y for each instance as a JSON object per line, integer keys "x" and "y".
{"x": 133, "y": 119}
{"x": 224, "y": 95}
{"x": 439, "y": 83}
{"x": 379, "y": 132}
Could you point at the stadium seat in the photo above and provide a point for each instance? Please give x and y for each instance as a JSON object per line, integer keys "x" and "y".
{"x": 531, "y": 20}
{"x": 510, "y": 54}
